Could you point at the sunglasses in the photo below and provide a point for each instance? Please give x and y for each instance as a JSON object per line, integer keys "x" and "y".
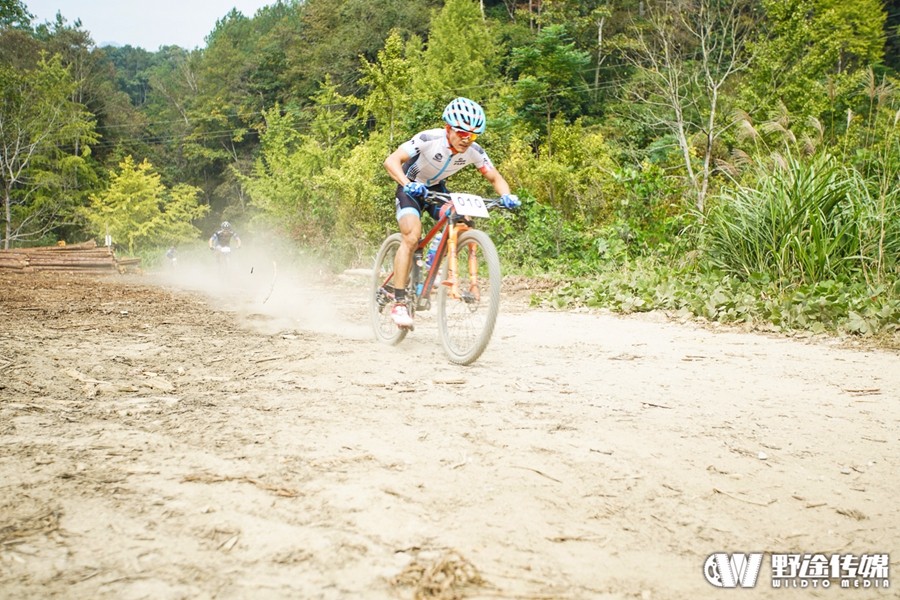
{"x": 466, "y": 135}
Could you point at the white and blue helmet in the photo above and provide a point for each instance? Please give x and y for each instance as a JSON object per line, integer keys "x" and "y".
{"x": 465, "y": 114}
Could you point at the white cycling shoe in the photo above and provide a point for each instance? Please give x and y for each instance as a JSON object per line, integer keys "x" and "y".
{"x": 400, "y": 315}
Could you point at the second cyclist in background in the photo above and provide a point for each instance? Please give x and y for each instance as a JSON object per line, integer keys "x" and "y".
{"x": 423, "y": 163}
{"x": 224, "y": 237}
{"x": 222, "y": 242}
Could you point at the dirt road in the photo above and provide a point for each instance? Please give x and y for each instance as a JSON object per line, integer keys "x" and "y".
{"x": 169, "y": 438}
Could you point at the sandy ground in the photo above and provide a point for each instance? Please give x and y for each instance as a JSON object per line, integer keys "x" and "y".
{"x": 169, "y": 437}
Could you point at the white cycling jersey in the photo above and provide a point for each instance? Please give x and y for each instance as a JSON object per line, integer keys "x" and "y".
{"x": 432, "y": 159}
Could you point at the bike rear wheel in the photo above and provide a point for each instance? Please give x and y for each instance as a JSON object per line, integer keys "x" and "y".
{"x": 466, "y": 323}
{"x": 379, "y": 303}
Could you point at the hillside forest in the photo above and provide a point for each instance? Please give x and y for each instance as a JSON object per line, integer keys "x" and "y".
{"x": 732, "y": 160}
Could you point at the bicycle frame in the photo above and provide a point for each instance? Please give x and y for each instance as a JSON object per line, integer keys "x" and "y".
{"x": 451, "y": 225}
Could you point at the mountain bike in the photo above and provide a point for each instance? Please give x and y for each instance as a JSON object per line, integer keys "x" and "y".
{"x": 463, "y": 277}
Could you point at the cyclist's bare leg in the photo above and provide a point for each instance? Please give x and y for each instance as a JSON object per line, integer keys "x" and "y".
{"x": 410, "y": 229}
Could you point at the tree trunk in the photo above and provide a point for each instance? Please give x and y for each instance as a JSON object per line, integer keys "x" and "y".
{"x": 7, "y": 213}
{"x": 707, "y": 154}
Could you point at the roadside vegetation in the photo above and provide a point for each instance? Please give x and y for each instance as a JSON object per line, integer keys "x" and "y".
{"x": 724, "y": 160}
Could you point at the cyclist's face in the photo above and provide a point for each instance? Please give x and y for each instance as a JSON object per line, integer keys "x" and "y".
{"x": 457, "y": 141}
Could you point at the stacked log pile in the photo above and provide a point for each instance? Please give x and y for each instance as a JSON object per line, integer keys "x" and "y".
{"x": 86, "y": 257}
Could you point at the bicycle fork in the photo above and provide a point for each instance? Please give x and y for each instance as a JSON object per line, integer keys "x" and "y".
{"x": 473, "y": 294}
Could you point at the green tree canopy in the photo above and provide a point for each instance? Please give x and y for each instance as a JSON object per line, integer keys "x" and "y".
{"x": 14, "y": 14}
{"x": 45, "y": 137}
{"x": 550, "y": 77}
{"x": 138, "y": 211}
{"x": 461, "y": 55}
{"x": 814, "y": 53}
{"x": 388, "y": 81}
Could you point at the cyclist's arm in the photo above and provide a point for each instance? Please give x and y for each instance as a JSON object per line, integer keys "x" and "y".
{"x": 394, "y": 165}
{"x": 496, "y": 179}
{"x": 213, "y": 240}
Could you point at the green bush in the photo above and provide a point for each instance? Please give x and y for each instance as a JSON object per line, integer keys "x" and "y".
{"x": 652, "y": 283}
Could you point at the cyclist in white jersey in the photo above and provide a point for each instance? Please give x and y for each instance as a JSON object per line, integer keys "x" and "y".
{"x": 423, "y": 163}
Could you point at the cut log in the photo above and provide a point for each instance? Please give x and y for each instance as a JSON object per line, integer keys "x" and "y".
{"x": 92, "y": 245}
{"x": 85, "y": 257}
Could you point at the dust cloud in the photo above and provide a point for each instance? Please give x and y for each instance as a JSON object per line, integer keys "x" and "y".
{"x": 271, "y": 291}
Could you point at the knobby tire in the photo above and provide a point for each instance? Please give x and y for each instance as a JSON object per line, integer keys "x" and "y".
{"x": 466, "y": 324}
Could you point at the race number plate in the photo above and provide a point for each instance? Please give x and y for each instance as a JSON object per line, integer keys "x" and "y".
{"x": 469, "y": 205}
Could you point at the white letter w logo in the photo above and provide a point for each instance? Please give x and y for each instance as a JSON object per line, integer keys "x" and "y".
{"x": 726, "y": 571}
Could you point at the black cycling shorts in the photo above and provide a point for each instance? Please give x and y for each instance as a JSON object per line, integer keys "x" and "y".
{"x": 404, "y": 202}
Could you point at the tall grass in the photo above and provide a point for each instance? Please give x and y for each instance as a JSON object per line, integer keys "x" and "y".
{"x": 805, "y": 213}
{"x": 879, "y": 224}
{"x": 796, "y": 222}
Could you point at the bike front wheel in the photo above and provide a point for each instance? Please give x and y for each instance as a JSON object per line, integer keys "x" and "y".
{"x": 379, "y": 302}
{"x": 468, "y": 310}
